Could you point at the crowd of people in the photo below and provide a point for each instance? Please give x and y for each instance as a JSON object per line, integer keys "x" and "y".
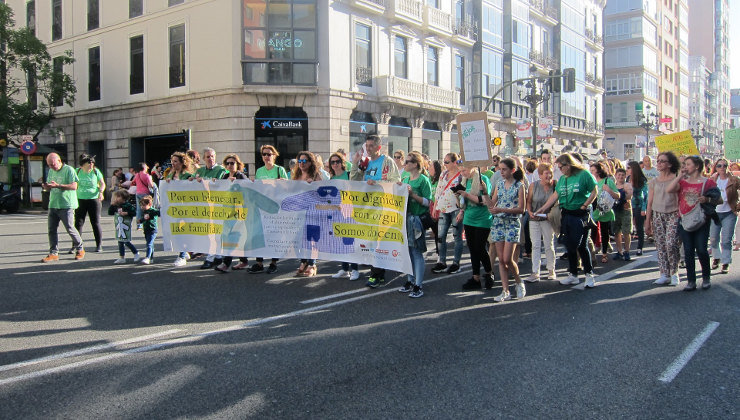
{"x": 515, "y": 209}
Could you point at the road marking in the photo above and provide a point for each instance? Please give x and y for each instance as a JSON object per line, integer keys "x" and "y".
{"x": 614, "y": 273}
{"x": 87, "y": 350}
{"x": 334, "y": 296}
{"x": 729, "y": 288}
{"x": 672, "y": 371}
{"x": 24, "y": 223}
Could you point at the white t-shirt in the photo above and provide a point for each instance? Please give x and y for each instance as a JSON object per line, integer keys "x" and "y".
{"x": 722, "y": 185}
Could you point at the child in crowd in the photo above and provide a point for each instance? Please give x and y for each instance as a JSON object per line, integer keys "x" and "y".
{"x": 149, "y": 221}
{"x": 123, "y": 213}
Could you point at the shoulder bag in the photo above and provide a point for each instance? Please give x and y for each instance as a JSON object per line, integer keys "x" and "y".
{"x": 694, "y": 219}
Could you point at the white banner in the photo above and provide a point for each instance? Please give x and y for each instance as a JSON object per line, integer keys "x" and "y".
{"x": 524, "y": 128}
{"x": 330, "y": 220}
{"x": 544, "y": 128}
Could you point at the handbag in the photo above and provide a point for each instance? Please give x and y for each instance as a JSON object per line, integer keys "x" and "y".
{"x": 604, "y": 201}
{"x": 427, "y": 221}
{"x": 433, "y": 207}
{"x": 694, "y": 219}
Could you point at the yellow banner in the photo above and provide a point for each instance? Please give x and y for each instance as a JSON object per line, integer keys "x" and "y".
{"x": 190, "y": 228}
{"x": 378, "y": 217}
{"x": 679, "y": 143}
{"x": 369, "y": 233}
{"x": 212, "y": 197}
{"x": 208, "y": 212}
{"x": 373, "y": 199}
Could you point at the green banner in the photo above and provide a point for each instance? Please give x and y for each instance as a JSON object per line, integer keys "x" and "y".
{"x": 732, "y": 144}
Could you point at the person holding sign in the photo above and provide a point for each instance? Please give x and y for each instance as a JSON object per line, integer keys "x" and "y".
{"x": 234, "y": 167}
{"x": 575, "y": 191}
{"x": 722, "y": 233}
{"x": 379, "y": 167}
{"x": 182, "y": 168}
{"x": 506, "y": 204}
{"x": 307, "y": 170}
{"x": 476, "y": 221}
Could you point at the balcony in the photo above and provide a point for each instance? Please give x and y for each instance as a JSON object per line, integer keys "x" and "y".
{"x": 395, "y": 89}
{"x": 364, "y": 76}
{"x": 411, "y": 11}
{"x": 437, "y": 20}
{"x": 543, "y": 60}
{"x": 594, "y": 39}
{"x": 465, "y": 32}
{"x": 373, "y": 6}
{"x": 541, "y": 10}
{"x": 593, "y": 81}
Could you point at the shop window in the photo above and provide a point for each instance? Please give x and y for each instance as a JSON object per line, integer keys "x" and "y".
{"x": 136, "y": 84}
{"x": 177, "y": 56}
{"x": 93, "y": 85}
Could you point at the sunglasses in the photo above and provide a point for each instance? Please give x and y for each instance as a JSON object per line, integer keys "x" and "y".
{"x": 335, "y": 162}
{"x": 397, "y": 157}
{"x": 721, "y": 165}
{"x": 662, "y": 160}
{"x": 266, "y": 154}
{"x": 447, "y": 162}
{"x": 230, "y": 163}
{"x": 302, "y": 161}
{"x": 409, "y": 161}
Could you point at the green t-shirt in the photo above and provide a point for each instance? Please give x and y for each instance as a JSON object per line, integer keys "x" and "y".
{"x": 59, "y": 198}
{"x": 277, "y": 172}
{"x": 608, "y": 216}
{"x": 348, "y": 165}
{"x": 475, "y": 214}
{"x": 421, "y": 187}
{"x": 184, "y": 175}
{"x": 88, "y": 184}
{"x": 574, "y": 190}
{"x": 344, "y": 175}
{"x": 216, "y": 172}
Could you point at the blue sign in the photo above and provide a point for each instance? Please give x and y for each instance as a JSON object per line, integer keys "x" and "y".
{"x": 28, "y": 147}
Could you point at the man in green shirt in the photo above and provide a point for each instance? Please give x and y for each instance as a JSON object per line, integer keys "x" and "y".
{"x": 61, "y": 181}
{"x": 211, "y": 170}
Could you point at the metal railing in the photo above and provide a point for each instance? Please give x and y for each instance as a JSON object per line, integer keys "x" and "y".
{"x": 397, "y": 87}
{"x": 364, "y": 75}
{"x": 466, "y": 29}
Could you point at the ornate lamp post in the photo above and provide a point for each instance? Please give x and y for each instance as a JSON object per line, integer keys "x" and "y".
{"x": 534, "y": 92}
{"x": 648, "y": 121}
{"x": 698, "y": 132}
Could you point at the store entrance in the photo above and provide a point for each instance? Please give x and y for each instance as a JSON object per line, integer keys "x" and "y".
{"x": 153, "y": 149}
{"x": 284, "y": 128}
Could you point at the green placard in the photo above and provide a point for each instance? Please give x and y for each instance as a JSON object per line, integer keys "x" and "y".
{"x": 732, "y": 144}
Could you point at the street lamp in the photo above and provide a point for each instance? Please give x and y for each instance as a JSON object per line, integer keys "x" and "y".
{"x": 647, "y": 120}
{"x": 698, "y": 132}
{"x": 534, "y": 92}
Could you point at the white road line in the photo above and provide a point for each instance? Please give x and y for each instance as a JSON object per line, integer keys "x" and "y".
{"x": 323, "y": 298}
{"x": 87, "y": 350}
{"x": 672, "y": 371}
{"x": 614, "y": 273}
{"x": 22, "y": 223}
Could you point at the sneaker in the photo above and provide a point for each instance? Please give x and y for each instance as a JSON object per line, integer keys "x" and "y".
{"x": 145, "y": 261}
{"x": 374, "y": 282}
{"x": 121, "y": 260}
{"x": 627, "y": 256}
{"x": 340, "y": 275}
{"x": 690, "y": 287}
{"x": 439, "y": 267}
{"x": 715, "y": 264}
{"x": 617, "y": 256}
{"x": 675, "y": 280}
{"x": 564, "y": 256}
{"x": 222, "y": 268}
{"x": 99, "y": 248}
{"x": 454, "y": 268}
{"x": 256, "y": 268}
{"x": 137, "y": 258}
{"x": 190, "y": 257}
{"x": 551, "y": 275}
{"x": 521, "y": 291}
{"x": 271, "y": 268}
{"x": 639, "y": 252}
{"x": 408, "y": 287}
{"x": 206, "y": 265}
{"x": 416, "y": 293}
{"x": 663, "y": 279}
{"x": 471, "y": 284}
{"x": 240, "y": 266}
{"x": 354, "y": 275}
{"x": 505, "y": 295}
{"x": 533, "y": 278}
{"x": 682, "y": 264}
{"x": 725, "y": 268}
{"x": 590, "y": 280}
{"x": 705, "y": 284}
{"x": 80, "y": 254}
{"x": 71, "y": 251}
{"x": 489, "y": 281}
{"x": 50, "y": 258}
{"x": 571, "y": 279}
{"x": 179, "y": 262}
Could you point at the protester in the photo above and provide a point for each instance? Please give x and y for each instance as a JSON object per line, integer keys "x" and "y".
{"x": 338, "y": 170}
{"x": 623, "y": 216}
{"x": 149, "y": 222}
{"x": 448, "y": 206}
{"x": 604, "y": 215}
{"x": 115, "y": 180}
{"x": 234, "y": 167}
{"x": 639, "y": 183}
{"x": 693, "y": 190}
{"x": 379, "y": 167}
{"x": 61, "y": 182}
{"x": 662, "y": 218}
{"x": 90, "y": 194}
{"x": 539, "y": 226}
{"x": 144, "y": 186}
{"x": 194, "y": 158}
{"x": 647, "y": 168}
{"x": 476, "y": 221}
{"x": 322, "y": 170}
{"x": 506, "y": 205}
{"x": 399, "y": 158}
{"x": 309, "y": 171}
{"x": 420, "y": 193}
{"x": 182, "y": 168}
{"x": 722, "y": 233}
{"x": 575, "y": 191}
{"x": 210, "y": 171}
{"x": 123, "y": 213}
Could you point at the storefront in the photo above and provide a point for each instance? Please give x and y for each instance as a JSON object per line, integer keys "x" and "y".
{"x": 431, "y": 139}
{"x": 152, "y": 149}
{"x": 284, "y": 128}
{"x": 361, "y": 125}
{"x": 399, "y": 135}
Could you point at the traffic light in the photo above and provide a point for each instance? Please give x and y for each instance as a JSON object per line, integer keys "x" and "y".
{"x": 569, "y": 80}
{"x": 555, "y": 81}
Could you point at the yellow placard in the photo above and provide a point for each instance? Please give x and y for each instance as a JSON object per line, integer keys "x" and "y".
{"x": 208, "y": 212}
{"x": 212, "y": 197}
{"x": 373, "y": 199}
{"x": 378, "y": 217}
{"x": 202, "y": 229}
{"x": 681, "y": 143}
{"x": 367, "y": 233}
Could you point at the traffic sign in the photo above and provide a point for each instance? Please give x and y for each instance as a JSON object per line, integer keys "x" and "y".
{"x": 28, "y": 147}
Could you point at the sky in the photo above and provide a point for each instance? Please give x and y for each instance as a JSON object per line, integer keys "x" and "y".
{"x": 734, "y": 37}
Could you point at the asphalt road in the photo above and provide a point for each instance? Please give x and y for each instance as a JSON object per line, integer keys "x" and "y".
{"x": 89, "y": 339}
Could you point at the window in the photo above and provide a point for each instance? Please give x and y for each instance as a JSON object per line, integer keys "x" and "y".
{"x": 58, "y": 70}
{"x": 433, "y": 3}
{"x": 363, "y": 55}
{"x": 31, "y": 16}
{"x": 93, "y": 14}
{"x": 93, "y": 84}
{"x": 136, "y": 82}
{"x": 177, "y": 56}
{"x": 31, "y": 87}
{"x": 135, "y": 8}
{"x": 460, "y": 77}
{"x": 174, "y": 2}
{"x": 400, "y": 57}
{"x": 56, "y": 20}
{"x": 432, "y": 66}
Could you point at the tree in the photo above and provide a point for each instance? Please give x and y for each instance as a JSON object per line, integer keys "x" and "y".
{"x": 32, "y": 84}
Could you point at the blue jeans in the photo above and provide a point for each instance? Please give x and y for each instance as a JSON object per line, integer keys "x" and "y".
{"x": 139, "y": 212}
{"x": 122, "y": 249}
{"x": 722, "y": 235}
{"x": 447, "y": 220}
{"x": 417, "y": 265}
{"x": 695, "y": 244}
{"x": 349, "y": 266}
{"x": 576, "y": 240}
{"x": 150, "y": 236}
